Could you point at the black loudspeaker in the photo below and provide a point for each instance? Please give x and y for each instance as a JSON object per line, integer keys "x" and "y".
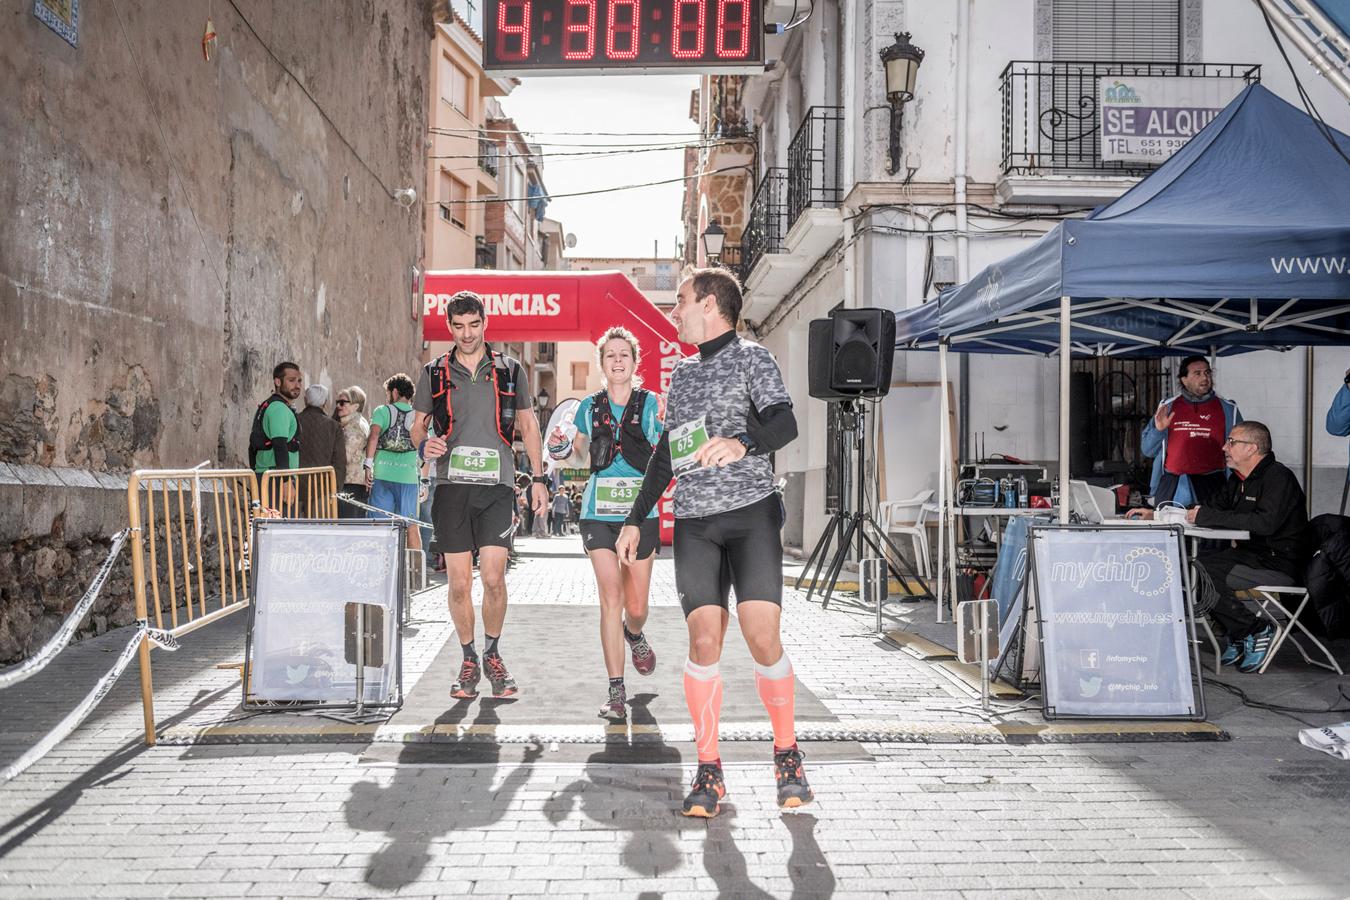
{"x": 864, "y": 348}
{"x": 819, "y": 354}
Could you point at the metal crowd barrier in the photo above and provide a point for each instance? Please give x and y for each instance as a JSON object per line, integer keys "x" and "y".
{"x": 300, "y": 493}
{"x": 176, "y": 516}
{"x": 194, "y": 525}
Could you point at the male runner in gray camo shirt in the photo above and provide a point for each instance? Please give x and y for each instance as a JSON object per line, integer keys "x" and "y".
{"x": 726, "y": 411}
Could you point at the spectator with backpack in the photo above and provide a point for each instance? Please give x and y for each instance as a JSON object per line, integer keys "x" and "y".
{"x": 391, "y": 456}
{"x": 275, "y": 426}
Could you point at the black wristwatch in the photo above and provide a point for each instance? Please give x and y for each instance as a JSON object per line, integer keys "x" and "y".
{"x": 747, "y": 442}
{"x": 540, "y": 479}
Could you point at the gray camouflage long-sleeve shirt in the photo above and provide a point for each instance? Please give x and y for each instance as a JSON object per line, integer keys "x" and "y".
{"x": 724, "y": 388}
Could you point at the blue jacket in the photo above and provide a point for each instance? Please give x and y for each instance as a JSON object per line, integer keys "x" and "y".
{"x": 1154, "y": 444}
{"x": 1338, "y": 417}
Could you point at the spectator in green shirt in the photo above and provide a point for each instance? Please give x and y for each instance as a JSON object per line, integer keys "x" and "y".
{"x": 274, "y": 424}
{"x": 391, "y": 457}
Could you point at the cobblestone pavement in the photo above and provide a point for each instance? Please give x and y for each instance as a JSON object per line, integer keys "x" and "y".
{"x": 102, "y": 816}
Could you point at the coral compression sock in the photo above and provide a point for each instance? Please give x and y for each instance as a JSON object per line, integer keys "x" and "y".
{"x": 703, "y": 693}
{"x": 776, "y": 685}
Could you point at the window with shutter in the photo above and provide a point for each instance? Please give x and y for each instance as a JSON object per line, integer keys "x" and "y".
{"x": 1091, "y": 33}
{"x": 1116, "y": 30}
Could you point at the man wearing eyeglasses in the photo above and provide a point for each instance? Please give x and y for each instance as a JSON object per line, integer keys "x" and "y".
{"x": 1262, "y": 497}
{"x": 1185, "y": 438}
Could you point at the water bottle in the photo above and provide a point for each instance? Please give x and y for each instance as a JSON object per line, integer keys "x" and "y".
{"x": 1009, "y": 492}
{"x": 1023, "y": 500}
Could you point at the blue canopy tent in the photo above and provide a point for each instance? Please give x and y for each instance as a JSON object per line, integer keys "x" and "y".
{"x": 1235, "y": 233}
{"x": 1240, "y": 241}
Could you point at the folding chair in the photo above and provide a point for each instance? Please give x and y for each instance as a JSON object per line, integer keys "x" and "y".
{"x": 1272, "y": 609}
{"x": 888, "y": 516}
{"x": 1203, "y": 622}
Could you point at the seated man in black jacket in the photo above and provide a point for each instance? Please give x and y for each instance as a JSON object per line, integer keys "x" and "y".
{"x": 1264, "y": 498}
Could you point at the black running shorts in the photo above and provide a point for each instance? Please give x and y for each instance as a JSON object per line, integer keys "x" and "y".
{"x": 598, "y": 535}
{"x": 468, "y": 517}
{"x": 740, "y": 548}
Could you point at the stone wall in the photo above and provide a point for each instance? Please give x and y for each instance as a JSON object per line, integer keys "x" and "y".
{"x": 173, "y": 228}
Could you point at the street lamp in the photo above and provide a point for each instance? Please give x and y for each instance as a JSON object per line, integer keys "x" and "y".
{"x": 901, "y": 60}
{"x": 714, "y": 236}
{"x": 543, "y": 398}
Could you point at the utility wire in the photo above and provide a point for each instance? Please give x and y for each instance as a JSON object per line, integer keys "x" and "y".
{"x": 511, "y": 131}
{"x": 388, "y": 192}
{"x": 574, "y": 154}
{"x": 608, "y": 190}
{"x": 672, "y": 144}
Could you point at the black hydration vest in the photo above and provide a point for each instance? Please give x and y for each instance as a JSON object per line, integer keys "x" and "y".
{"x": 630, "y": 440}
{"x": 506, "y": 376}
{"x": 258, "y": 439}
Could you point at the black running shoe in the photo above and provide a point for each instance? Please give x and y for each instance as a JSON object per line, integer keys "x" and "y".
{"x": 793, "y": 790}
{"x": 503, "y": 685}
{"x": 466, "y": 688}
{"x": 709, "y": 789}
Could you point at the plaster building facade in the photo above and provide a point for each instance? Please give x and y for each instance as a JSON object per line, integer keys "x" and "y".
{"x": 484, "y": 180}
{"x": 175, "y": 227}
{"x": 980, "y": 172}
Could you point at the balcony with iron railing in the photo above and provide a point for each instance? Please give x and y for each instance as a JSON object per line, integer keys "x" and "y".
{"x": 767, "y": 225}
{"x": 484, "y": 254}
{"x": 731, "y": 260}
{"x": 794, "y": 216}
{"x": 487, "y": 154}
{"x": 1052, "y": 128}
{"x": 814, "y": 164}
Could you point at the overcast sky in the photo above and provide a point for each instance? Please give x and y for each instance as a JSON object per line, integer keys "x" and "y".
{"x": 623, "y": 223}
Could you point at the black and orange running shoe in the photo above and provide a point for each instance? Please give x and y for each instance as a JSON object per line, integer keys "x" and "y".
{"x": 793, "y": 791}
{"x": 466, "y": 688}
{"x": 709, "y": 789}
{"x": 503, "y": 685}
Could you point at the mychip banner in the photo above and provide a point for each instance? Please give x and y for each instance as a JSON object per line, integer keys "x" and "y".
{"x": 1114, "y": 630}
{"x": 1146, "y": 120}
{"x": 325, "y": 595}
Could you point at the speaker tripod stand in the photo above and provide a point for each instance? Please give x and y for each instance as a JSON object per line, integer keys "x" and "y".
{"x": 857, "y": 525}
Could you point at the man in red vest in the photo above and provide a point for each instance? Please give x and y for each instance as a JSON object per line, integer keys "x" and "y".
{"x": 1186, "y": 437}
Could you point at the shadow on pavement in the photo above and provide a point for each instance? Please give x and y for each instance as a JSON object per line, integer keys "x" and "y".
{"x": 412, "y": 819}
{"x": 642, "y": 803}
{"x": 112, "y": 768}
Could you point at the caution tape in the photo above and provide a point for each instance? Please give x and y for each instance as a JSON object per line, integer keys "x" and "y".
{"x": 92, "y": 699}
{"x": 38, "y": 661}
{"x": 348, "y": 498}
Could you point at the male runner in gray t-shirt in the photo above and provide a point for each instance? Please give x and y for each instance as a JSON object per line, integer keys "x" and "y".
{"x": 471, "y": 403}
{"x": 726, "y": 411}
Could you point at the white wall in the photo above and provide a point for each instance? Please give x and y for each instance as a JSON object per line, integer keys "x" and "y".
{"x": 1000, "y": 31}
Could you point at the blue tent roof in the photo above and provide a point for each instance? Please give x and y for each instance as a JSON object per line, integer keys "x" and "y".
{"x": 1240, "y": 238}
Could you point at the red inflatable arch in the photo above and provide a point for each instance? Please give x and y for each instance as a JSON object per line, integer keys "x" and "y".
{"x": 561, "y": 306}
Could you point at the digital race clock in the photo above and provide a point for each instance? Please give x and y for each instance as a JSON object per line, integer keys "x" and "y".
{"x": 560, "y": 36}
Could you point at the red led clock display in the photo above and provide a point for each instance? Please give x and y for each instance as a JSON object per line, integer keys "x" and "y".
{"x": 566, "y": 35}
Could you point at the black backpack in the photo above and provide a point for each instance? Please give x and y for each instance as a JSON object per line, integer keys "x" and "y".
{"x": 397, "y": 438}
{"x": 258, "y": 439}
